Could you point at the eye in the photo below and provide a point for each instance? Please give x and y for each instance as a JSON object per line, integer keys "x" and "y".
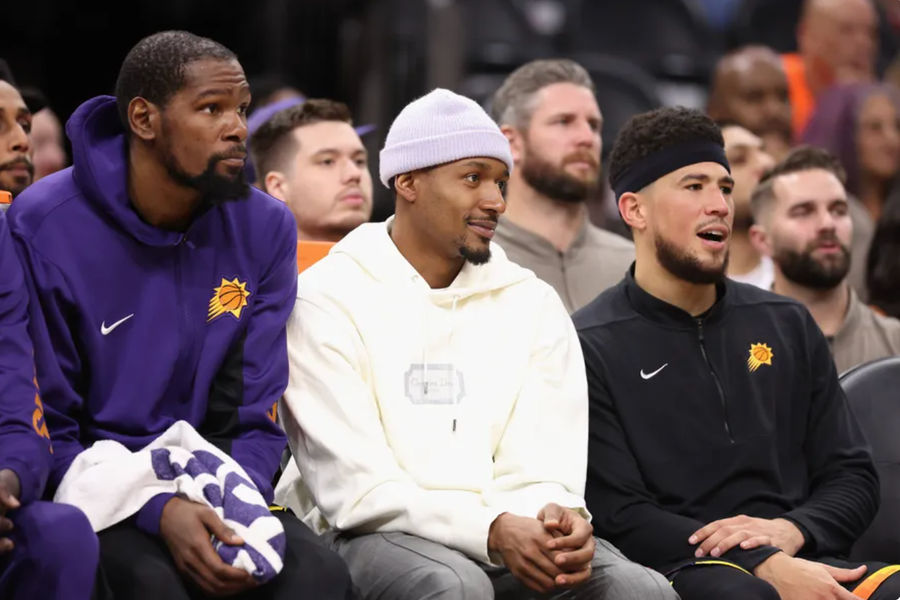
{"x": 210, "y": 108}
{"x": 502, "y": 185}
{"x": 694, "y": 187}
{"x": 327, "y": 162}
{"x": 472, "y": 178}
{"x": 840, "y": 210}
{"x": 726, "y": 189}
{"x": 362, "y": 163}
{"x": 242, "y": 110}
{"x": 26, "y": 125}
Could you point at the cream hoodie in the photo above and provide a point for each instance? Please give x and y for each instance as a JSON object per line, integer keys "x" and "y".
{"x": 431, "y": 411}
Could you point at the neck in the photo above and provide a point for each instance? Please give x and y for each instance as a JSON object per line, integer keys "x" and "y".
{"x": 742, "y": 256}
{"x": 693, "y": 298}
{"x": 157, "y": 199}
{"x": 556, "y": 221}
{"x": 438, "y": 271}
{"x": 872, "y": 192}
{"x": 828, "y": 307}
{"x": 325, "y": 235}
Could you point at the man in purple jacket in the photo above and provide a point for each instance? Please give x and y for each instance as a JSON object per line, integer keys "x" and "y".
{"x": 161, "y": 284}
{"x": 46, "y": 550}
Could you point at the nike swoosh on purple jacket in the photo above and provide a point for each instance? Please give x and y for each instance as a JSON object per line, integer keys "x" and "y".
{"x": 24, "y": 442}
{"x": 206, "y": 342}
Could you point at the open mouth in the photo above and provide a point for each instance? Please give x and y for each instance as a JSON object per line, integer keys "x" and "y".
{"x": 712, "y": 236}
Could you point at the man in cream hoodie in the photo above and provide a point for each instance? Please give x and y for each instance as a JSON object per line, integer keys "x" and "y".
{"x": 437, "y": 404}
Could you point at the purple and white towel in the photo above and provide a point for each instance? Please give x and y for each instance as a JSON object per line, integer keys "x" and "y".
{"x": 179, "y": 461}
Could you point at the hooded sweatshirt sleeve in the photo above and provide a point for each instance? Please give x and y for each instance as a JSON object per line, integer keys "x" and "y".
{"x": 337, "y": 438}
{"x": 844, "y": 492}
{"x": 24, "y": 440}
{"x": 624, "y": 510}
{"x": 57, "y": 362}
{"x": 242, "y": 412}
{"x": 551, "y": 407}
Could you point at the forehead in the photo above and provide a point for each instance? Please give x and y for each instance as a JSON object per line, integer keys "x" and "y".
{"x": 736, "y": 136}
{"x": 10, "y": 99}
{"x": 214, "y": 73}
{"x": 491, "y": 166}
{"x": 812, "y": 185}
{"x": 878, "y": 104}
{"x": 334, "y": 135}
{"x": 757, "y": 72}
{"x": 565, "y": 97}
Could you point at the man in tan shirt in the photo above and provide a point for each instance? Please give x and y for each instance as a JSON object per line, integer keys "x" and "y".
{"x": 803, "y": 223}
{"x": 547, "y": 110}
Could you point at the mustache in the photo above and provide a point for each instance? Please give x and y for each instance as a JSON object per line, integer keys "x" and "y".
{"x": 581, "y": 156}
{"x": 23, "y": 161}
{"x": 236, "y": 151}
{"x": 830, "y": 238}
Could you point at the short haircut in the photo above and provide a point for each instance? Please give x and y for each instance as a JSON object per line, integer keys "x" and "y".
{"x": 273, "y": 145}
{"x": 513, "y": 103}
{"x": 154, "y": 68}
{"x": 801, "y": 158}
{"x": 649, "y": 132}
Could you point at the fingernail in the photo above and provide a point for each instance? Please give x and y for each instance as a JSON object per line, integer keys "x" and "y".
{"x": 698, "y": 553}
{"x": 715, "y": 552}
{"x": 692, "y": 539}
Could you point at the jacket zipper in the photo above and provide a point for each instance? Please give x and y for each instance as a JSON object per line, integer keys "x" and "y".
{"x": 716, "y": 380}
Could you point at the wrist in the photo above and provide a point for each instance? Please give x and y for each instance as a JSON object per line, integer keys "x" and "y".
{"x": 767, "y": 568}
{"x": 794, "y": 535}
{"x": 494, "y": 532}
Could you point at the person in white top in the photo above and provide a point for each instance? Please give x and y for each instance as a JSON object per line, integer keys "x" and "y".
{"x": 437, "y": 403}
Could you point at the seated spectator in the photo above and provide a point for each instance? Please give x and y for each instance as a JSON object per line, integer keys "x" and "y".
{"x": 722, "y": 451}
{"x": 749, "y": 88}
{"x": 309, "y": 157}
{"x": 160, "y": 286}
{"x": 47, "y": 550}
{"x": 16, "y": 168}
{"x": 47, "y": 140}
{"x": 547, "y": 110}
{"x": 883, "y": 264}
{"x": 749, "y": 160}
{"x": 837, "y": 42}
{"x": 803, "y": 224}
{"x": 439, "y": 426}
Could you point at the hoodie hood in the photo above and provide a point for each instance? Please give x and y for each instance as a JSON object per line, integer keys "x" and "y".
{"x": 99, "y": 152}
{"x": 371, "y": 247}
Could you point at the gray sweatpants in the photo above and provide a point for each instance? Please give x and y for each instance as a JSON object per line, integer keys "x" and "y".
{"x": 399, "y": 566}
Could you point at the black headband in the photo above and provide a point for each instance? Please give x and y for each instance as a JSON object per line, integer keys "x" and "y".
{"x": 648, "y": 169}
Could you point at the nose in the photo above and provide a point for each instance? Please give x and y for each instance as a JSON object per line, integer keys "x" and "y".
{"x": 586, "y": 134}
{"x": 493, "y": 201}
{"x": 719, "y": 204}
{"x": 19, "y": 140}
{"x": 236, "y": 128}
{"x": 351, "y": 172}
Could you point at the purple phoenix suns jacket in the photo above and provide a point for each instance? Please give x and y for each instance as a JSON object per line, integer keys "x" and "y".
{"x": 137, "y": 327}
{"x": 24, "y": 441}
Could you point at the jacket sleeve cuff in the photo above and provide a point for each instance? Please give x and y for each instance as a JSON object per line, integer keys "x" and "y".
{"x": 148, "y": 517}
{"x": 749, "y": 559}
{"x": 797, "y": 518}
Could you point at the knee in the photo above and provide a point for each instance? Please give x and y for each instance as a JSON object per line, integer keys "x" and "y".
{"x": 631, "y": 581}
{"x": 152, "y": 576}
{"x": 755, "y": 589}
{"x": 59, "y": 536}
{"x": 466, "y": 581}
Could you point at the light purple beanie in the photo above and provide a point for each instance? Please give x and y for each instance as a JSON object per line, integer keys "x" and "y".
{"x": 438, "y": 128}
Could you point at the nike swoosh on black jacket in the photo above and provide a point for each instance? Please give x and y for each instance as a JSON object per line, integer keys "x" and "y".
{"x": 716, "y": 433}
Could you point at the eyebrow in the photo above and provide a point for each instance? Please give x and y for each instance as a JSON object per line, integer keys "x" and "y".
{"x": 338, "y": 151}
{"x": 220, "y": 92}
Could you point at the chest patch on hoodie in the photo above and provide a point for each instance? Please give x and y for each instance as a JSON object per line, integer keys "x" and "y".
{"x": 229, "y": 297}
{"x": 433, "y": 383}
{"x": 760, "y": 354}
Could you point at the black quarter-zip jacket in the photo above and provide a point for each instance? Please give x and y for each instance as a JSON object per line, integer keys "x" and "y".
{"x": 697, "y": 419}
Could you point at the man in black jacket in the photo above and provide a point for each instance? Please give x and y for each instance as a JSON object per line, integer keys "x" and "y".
{"x": 722, "y": 451}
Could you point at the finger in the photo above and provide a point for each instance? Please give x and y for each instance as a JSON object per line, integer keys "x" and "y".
{"x": 5, "y": 525}
{"x": 218, "y": 528}
{"x": 573, "y": 579}
{"x": 532, "y": 576}
{"x": 845, "y": 595}
{"x": 542, "y": 562}
{"x": 578, "y": 537}
{"x": 7, "y": 500}
{"x": 551, "y": 515}
{"x": 845, "y": 575}
{"x": 6, "y": 545}
{"x": 705, "y": 531}
{"x": 756, "y": 541}
{"x": 200, "y": 575}
{"x": 576, "y": 560}
{"x": 730, "y": 542}
{"x": 220, "y": 571}
{"x": 713, "y": 540}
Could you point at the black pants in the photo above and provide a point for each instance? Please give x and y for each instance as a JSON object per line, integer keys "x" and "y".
{"x": 137, "y": 566}
{"x": 705, "y": 582}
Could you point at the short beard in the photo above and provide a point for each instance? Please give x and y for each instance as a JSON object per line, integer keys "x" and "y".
{"x": 475, "y": 257}
{"x": 554, "y": 182}
{"x": 803, "y": 269}
{"x": 214, "y": 189}
{"x": 687, "y": 267}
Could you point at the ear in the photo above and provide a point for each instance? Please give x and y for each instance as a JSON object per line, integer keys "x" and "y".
{"x": 276, "y": 185}
{"x": 405, "y": 187}
{"x": 633, "y": 209}
{"x": 760, "y": 240}
{"x": 143, "y": 118}
{"x": 516, "y": 142}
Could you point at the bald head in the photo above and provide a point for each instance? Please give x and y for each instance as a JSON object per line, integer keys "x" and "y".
{"x": 750, "y": 88}
{"x": 838, "y": 41}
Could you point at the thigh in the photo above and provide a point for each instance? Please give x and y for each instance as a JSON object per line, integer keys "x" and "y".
{"x": 705, "y": 581}
{"x": 139, "y": 566}
{"x": 881, "y": 581}
{"x": 400, "y": 566}
{"x": 311, "y": 569}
